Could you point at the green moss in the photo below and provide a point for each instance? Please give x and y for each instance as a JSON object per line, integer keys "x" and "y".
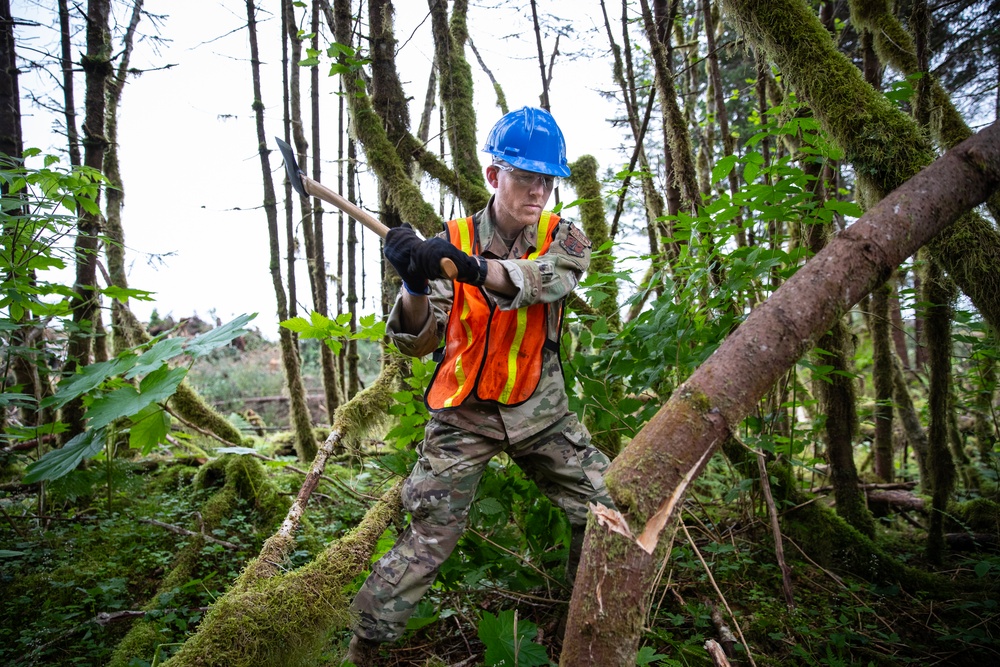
{"x": 885, "y": 146}
{"x": 284, "y": 620}
{"x": 977, "y": 515}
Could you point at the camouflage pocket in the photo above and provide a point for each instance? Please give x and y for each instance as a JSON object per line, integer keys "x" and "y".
{"x": 391, "y": 567}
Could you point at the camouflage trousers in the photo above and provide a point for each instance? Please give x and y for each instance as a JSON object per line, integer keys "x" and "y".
{"x": 438, "y": 494}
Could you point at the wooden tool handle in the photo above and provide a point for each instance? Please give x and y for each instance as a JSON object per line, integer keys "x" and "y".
{"x": 320, "y": 191}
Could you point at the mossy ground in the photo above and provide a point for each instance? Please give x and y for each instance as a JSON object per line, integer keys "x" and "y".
{"x": 83, "y": 561}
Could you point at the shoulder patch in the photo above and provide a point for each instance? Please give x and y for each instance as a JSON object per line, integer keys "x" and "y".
{"x": 575, "y": 242}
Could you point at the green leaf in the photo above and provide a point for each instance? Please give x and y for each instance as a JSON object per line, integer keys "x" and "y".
{"x": 122, "y": 293}
{"x": 205, "y": 343}
{"x": 847, "y": 208}
{"x": 646, "y": 655}
{"x": 723, "y": 167}
{"x": 126, "y": 401}
{"x": 6, "y": 553}
{"x": 508, "y": 641}
{"x": 490, "y": 506}
{"x": 88, "y": 379}
{"x": 982, "y": 568}
{"x": 60, "y": 462}
{"x": 154, "y": 357}
{"x": 149, "y": 428}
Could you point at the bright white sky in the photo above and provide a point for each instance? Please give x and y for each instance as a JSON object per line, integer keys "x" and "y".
{"x": 194, "y": 226}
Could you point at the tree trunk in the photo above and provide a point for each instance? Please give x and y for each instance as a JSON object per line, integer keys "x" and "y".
{"x": 69, "y": 101}
{"x": 305, "y": 442}
{"x": 115, "y": 249}
{"x": 649, "y": 479}
{"x": 456, "y": 87}
{"x": 97, "y": 66}
{"x": 676, "y": 125}
{"x": 882, "y": 379}
{"x": 938, "y": 294}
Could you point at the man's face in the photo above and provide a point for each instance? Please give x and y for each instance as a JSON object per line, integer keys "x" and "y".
{"x": 520, "y": 195}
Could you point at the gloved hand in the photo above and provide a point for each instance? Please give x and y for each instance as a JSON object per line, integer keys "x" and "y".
{"x": 426, "y": 258}
{"x": 400, "y": 242}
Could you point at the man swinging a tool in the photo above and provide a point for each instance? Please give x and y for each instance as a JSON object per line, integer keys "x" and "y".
{"x": 498, "y": 386}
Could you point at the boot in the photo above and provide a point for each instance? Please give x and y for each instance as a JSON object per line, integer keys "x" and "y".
{"x": 362, "y": 652}
{"x": 575, "y": 551}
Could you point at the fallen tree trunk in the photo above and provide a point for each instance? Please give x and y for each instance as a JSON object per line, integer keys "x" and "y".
{"x": 650, "y": 477}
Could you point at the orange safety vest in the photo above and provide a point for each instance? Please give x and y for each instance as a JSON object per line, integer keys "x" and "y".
{"x": 495, "y": 354}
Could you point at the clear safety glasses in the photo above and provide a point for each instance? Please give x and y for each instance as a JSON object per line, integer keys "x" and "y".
{"x": 527, "y": 179}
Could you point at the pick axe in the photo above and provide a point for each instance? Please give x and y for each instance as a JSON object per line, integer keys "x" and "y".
{"x": 307, "y": 187}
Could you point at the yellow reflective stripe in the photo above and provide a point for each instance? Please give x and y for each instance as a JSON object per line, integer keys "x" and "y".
{"x": 542, "y": 233}
{"x": 522, "y": 325}
{"x": 460, "y": 376}
{"x": 465, "y": 235}
{"x": 465, "y": 239}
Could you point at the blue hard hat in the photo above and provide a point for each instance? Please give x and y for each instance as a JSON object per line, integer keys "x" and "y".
{"x": 529, "y": 139}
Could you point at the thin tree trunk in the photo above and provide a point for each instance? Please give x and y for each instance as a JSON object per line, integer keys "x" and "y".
{"x": 882, "y": 379}
{"x": 115, "y": 249}
{"x": 898, "y": 328}
{"x": 721, "y": 115}
{"x": 97, "y": 66}
{"x": 69, "y": 101}
{"x": 938, "y": 294}
{"x": 910, "y": 420}
{"x": 544, "y": 97}
{"x": 674, "y": 122}
{"x": 455, "y": 85}
{"x": 650, "y": 477}
{"x": 328, "y": 360}
{"x": 305, "y": 442}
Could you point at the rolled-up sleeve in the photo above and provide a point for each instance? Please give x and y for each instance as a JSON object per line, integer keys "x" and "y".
{"x": 551, "y": 276}
{"x": 431, "y": 334}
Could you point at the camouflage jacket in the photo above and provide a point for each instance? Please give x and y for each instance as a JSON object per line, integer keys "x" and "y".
{"x": 547, "y": 279}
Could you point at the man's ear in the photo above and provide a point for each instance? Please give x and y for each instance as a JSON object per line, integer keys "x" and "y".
{"x": 491, "y": 175}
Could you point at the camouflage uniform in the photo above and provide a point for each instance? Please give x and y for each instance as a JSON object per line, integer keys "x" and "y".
{"x": 541, "y": 435}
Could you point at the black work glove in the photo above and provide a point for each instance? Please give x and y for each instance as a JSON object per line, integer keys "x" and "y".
{"x": 428, "y": 255}
{"x": 400, "y": 242}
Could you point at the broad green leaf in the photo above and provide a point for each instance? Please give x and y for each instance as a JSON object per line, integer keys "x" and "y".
{"x": 149, "y": 428}
{"x": 122, "y": 293}
{"x": 490, "y": 506}
{"x": 126, "y": 401}
{"x": 155, "y": 356}
{"x": 205, "y": 343}
{"x": 88, "y": 379}
{"x": 723, "y": 167}
{"x": 296, "y": 324}
{"x": 60, "y": 462}
{"x": 6, "y": 553}
{"x": 507, "y": 647}
{"x": 847, "y": 208}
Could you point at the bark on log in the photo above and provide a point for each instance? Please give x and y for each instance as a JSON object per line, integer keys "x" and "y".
{"x": 649, "y": 478}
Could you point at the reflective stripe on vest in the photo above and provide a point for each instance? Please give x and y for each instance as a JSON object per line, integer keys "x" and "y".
{"x": 495, "y": 353}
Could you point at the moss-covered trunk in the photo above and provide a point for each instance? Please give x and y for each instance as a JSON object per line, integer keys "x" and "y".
{"x": 305, "y": 442}
{"x": 885, "y": 146}
{"x": 882, "y": 379}
{"x": 649, "y": 478}
{"x": 938, "y": 295}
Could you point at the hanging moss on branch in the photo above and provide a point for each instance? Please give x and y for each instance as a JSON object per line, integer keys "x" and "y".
{"x": 885, "y": 146}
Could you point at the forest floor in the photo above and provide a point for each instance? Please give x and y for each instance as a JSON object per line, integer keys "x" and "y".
{"x": 107, "y": 552}
{"x": 71, "y": 572}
